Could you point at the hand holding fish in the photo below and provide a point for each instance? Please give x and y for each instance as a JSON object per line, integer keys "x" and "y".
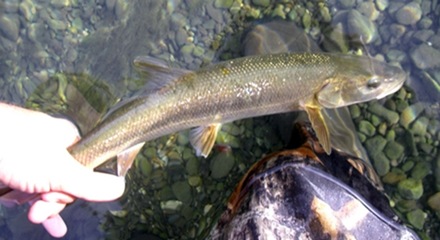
{"x": 34, "y": 159}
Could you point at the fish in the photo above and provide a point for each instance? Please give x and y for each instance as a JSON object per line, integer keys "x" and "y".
{"x": 179, "y": 99}
{"x": 236, "y": 89}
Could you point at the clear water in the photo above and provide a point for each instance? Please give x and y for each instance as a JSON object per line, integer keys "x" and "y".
{"x": 51, "y": 53}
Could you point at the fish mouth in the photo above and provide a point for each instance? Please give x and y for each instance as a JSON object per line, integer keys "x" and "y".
{"x": 394, "y": 82}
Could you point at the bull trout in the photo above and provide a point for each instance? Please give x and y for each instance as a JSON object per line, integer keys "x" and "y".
{"x": 231, "y": 90}
{"x": 240, "y": 88}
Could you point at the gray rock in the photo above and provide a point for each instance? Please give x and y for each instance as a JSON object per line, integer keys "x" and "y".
{"x": 410, "y": 113}
{"x": 231, "y": 128}
{"x": 279, "y": 12}
{"x": 186, "y": 51}
{"x": 420, "y": 126}
{"x": 382, "y": 129}
{"x": 325, "y": 14}
{"x": 214, "y": 13}
{"x": 433, "y": 126}
{"x": 434, "y": 202}
{"x": 262, "y": 3}
{"x": 28, "y": 10}
{"x": 165, "y": 194}
{"x": 355, "y": 111}
{"x": 60, "y": 3}
{"x": 221, "y": 164}
{"x": 393, "y": 150}
{"x": 393, "y": 177}
{"x": 192, "y": 166}
{"x": 409, "y": 14}
{"x": 145, "y": 166}
{"x": 391, "y": 135}
{"x": 277, "y": 37}
{"x": 77, "y": 23}
{"x": 367, "y": 128}
{"x": 425, "y": 147}
{"x": 121, "y": 9}
{"x": 194, "y": 181}
{"x": 410, "y": 143}
{"x": 174, "y": 155}
{"x": 182, "y": 139}
{"x": 404, "y": 205}
{"x": 423, "y": 36}
{"x": 410, "y": 188}
{"x": 181, "y": 37}
{"x": 182, "y": 191}
{"x": 375, "y": 145}
{"x": 421, "y": 170}
{"x": 382, "y": 4}
{"x": 198, "y": 51}
{"x": 408, "y": 165}
{"x": 150, "y": 152}
{"x": 381, "y": 164}
{"x": 379, "y": 110}
{"x": 187, "y": 154}
{"x": 110, "y": 4}
{"x": 416, "y": 218}
{"x": 336, "y": 39}
{"x": 425, "y": 23}
{"x": 171, "y": 206}
{"x": 368, "y": 9}
{"x": 223, "y": 3}
{"x": 360, "y": 26}
{"x": 397, "y": 30}
{"x": 178, "y": 20}
{"x": 395, "y": 55}
{"x": 401, "y": 105}
{"x": 425, "y": 56}
{"x": 347, "y": 3}
{"x": 9, "y": 27}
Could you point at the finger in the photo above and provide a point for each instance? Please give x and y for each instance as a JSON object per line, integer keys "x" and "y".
{"x": 55, "y": 226}
{"x": 42, "y": 210}
{"x": 96, "y": 187}
{"x": 58, "y": 197}
{"x": 92, "y": 186}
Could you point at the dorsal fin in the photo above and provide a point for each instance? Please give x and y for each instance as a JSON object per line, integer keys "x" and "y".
{"x": 159, "y": 75}
{"x": 158, "y": 72}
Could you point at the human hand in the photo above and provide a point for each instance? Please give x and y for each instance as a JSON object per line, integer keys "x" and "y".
{"x": 34, "y": 159}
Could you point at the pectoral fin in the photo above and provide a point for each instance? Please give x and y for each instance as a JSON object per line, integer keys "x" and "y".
{"x": 125, "y": 158}
{"x": 203, "y": 138}
{"x": 318, "y": 124}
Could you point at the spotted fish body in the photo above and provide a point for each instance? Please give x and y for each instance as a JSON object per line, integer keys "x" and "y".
{"x": 236, "y": 89}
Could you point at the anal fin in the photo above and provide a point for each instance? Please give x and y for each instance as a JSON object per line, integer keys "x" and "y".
{"x": 203, "y": 138}
{"x": 125, "y": 158}
{"x": 320, "y": 127}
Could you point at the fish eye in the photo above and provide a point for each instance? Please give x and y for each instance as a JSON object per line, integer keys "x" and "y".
{"x": 373, "y": 82}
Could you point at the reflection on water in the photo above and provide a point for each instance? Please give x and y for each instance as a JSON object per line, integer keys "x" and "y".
{"x": 68, "y": 57}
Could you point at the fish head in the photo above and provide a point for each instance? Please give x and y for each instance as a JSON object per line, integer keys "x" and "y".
{"x": 359, "y": 79}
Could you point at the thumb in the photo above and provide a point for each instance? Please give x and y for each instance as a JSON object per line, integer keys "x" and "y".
{"x": 88, "y": 185}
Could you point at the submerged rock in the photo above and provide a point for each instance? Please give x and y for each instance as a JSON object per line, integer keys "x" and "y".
{"x": 410, "y": 188}
{"x": 221, "y": 164}
{"x": 9, "y": 27}
{"x": 425, "y": 56}
{"x": 409, "y": 14}
{"x": 359, "y": 25}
